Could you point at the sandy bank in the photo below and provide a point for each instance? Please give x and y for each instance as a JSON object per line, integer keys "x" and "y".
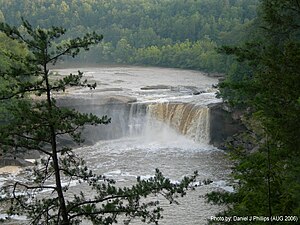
{"x": 10, "y": 169}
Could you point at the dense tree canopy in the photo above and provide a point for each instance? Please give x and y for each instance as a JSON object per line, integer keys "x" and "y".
{"x": 266, "y": 84}
{"x": 155, "y": 32}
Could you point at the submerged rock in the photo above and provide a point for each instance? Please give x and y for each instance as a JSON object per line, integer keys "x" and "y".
{"x": 118, "y": 99}
{"x": 155, "y": 87}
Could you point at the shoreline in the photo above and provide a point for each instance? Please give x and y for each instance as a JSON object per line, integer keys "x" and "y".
{"x": 10, "y": 170}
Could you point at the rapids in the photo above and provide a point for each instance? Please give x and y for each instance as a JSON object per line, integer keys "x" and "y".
{"x": 162, "y": 123}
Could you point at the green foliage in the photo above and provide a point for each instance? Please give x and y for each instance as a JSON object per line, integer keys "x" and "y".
{"x": 9, "y": 49}
{"x": 199, "y": 55}
{"x": 144, "y": 25}
{"x": 266, "y": 82}
{"x": 31, "y": 120}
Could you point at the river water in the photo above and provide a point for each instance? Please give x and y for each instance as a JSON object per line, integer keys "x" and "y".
{"x": 157, "y": 144}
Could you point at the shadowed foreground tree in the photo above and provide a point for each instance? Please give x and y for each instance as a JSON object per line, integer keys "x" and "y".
{"x": 268, "y": 88}
{"x": 29, "y": 124}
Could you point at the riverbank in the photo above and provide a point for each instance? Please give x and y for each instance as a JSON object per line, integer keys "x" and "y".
{"x": 10, "y": 170}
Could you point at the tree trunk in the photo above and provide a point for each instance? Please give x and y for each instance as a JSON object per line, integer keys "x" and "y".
{"x": 59, "y": 189}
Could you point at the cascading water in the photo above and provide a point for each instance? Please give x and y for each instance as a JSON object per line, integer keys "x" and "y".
{"x": 137, "y": 118}
{"x": 162, "y": 128}
{"x": 187, "y": 119}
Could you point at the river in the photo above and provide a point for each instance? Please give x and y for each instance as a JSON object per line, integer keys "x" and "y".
{"x": 159, "y": 132}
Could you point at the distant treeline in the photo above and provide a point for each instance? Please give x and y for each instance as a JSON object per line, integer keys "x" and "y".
{"x": 174, "y": 33}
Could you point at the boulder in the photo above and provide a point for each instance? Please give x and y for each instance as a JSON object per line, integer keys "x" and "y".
{"x": 14, "y": 162}
{"x": 155, "y": 87}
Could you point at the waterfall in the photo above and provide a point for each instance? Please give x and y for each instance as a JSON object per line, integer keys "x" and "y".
{"x": 188, "y": 119}
{"x": 148, "y": 119}
{"x": 136, "y": 119}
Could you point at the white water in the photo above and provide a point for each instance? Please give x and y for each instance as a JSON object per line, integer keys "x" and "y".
{"x": 187, "y": 119}
{"x": 166, "y": 129}
{"x": 125, "y": 159}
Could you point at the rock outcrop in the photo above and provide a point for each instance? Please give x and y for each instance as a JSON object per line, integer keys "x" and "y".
{"x": 224, "y": 125}
{"x": 18, "y": 158}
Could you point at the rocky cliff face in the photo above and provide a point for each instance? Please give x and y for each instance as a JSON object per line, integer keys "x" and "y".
{"x": 116, "y": 107}
{"x": 224, "y": 125}
{"x": 17, "y": 157}
{"x": 213, "y": 124}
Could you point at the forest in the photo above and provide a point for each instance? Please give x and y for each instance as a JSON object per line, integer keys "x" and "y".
{"x": 254, "y": 44}
{"x": 169, "y": 33}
